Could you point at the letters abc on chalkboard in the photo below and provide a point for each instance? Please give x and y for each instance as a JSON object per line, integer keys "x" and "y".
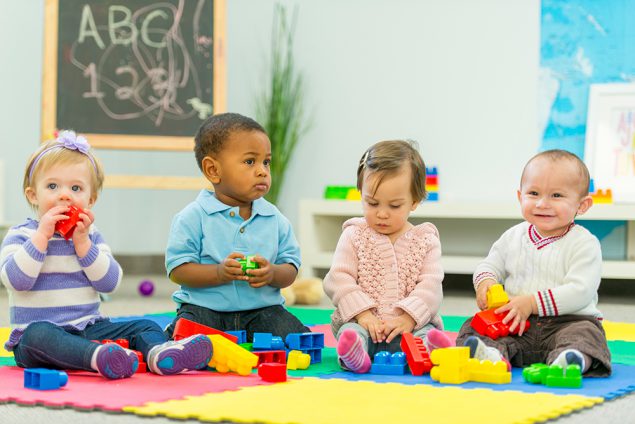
{"x": 137, "y": 67}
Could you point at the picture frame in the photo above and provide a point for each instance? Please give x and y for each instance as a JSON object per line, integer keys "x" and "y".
{"x": 610, "y": 139}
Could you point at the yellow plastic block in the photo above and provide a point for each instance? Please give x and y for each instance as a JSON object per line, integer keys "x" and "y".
{"x": 432, "y": 187}
{"x": 4, "y": 336}
{"x": 452, "y": 356}
{"x": 488, "y": 372}
{"x": 316, "y": 401}
{"x": 619, "y": 331}
{"x": 603, "y": 196}
{"x": 353, "y": 194}
{"x": 297, "y": 360}
{"x": 448, "y": 374}
{"x": 228, "y": 356}
{"x": 496, "y": 296}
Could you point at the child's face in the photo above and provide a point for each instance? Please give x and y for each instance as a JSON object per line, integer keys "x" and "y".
{"x": 387, "y": 208}
{"x": 550, "y": 195}
{"x": 241, "y": 171}
{"x": 62, "y": 185}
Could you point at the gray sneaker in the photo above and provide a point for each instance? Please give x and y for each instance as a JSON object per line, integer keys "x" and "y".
{"x": 173, "y": 357}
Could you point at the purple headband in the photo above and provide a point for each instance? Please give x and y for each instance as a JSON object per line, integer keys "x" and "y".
{"x": 66, "y": 140}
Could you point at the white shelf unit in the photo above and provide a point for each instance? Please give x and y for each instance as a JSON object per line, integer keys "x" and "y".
{"x": 467, "y": 232}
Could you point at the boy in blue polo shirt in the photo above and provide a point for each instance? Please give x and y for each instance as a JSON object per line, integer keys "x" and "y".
{"x": 209, "y": 236}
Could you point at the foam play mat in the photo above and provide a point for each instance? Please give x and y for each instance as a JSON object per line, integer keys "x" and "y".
{"x": 324, "y": 393}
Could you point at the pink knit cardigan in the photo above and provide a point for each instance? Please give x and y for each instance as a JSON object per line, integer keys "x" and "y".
{"x": 370, "y": 273}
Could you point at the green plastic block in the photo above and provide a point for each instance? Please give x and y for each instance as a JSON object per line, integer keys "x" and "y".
{"x": 248, "y": 263}
{"x": 571, "y": 377}
{"x": 535, "y": 373}
{"x": 337, "y": 192}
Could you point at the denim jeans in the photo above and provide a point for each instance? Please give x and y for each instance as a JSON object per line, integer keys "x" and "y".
{"x": 271, "y": 319}
{"x": 47, "y": 345}
{"x": 373, "y": 348}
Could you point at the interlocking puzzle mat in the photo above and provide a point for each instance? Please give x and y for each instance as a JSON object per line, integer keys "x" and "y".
{"x": 348, "y": 401}
{"x": 86, "y": 390}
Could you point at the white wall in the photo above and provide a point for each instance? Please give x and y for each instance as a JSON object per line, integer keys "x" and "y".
{"x": 459, "y": 76}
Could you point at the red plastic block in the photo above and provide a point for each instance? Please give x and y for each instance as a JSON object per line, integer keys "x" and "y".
{"x": 273, "y": 372}
{"x": 271, "y": 356}
{"x": 66, "y": 227}
{"x": 416, "y": 354}
{"x": 490, "y": 324}
{"x": 186, "y": 328}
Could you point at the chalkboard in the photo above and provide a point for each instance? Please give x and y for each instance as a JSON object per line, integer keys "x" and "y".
{"x": 133, "y": 74}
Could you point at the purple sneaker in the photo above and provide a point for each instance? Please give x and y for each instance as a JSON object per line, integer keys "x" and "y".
{"x": 115, "y": 362}
{"x": 173, "y": 357}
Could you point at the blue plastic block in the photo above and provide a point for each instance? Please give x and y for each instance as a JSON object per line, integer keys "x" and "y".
{"x": 240, "y": 334}
{"x": 266, "y": 341}
{"x": 387, "y": 364}
{"x": 431, "y": 170}
{"x": 433, "y": 196}
{"x": 44, "y": 379}
{"x": 302, "y": 341}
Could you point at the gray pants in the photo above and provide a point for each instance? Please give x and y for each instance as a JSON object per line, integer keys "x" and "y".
{"x": 373, "y": 348}
{"x": 547, "y": 337}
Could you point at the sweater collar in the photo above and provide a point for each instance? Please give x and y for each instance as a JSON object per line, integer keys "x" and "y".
{"x": 540, "y": 241}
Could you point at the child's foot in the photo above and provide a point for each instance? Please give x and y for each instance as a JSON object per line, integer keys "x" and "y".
{"x": 351, "y": 351}
{"x": 570, "y": 357}
{"x": 436, "y": 339}
{"x": 482, "y": 352}
{"x": 113, "y": 362}
{"x": 173, "y": 357}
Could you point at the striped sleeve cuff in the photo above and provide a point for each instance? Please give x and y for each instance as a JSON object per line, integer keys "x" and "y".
{"x": 483, "y": 276}
{"x": 546, "y": 303}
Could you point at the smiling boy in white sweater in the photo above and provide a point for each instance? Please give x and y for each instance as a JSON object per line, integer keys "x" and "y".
{"x": 551, "y": 269}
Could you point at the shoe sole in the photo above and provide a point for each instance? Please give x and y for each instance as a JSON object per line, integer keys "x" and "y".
{"x": 194, "y": 354}
{"x": 114, "y": 363}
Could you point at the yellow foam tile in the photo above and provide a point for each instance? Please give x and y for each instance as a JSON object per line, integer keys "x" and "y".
{"x": 619, "y": 331}
{"x": 312, "y": 401}
{"x": 4, "y": 336}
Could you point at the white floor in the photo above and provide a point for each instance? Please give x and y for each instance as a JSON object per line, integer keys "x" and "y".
{"x": 127, "y": 301}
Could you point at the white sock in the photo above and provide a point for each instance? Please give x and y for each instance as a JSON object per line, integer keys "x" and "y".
{"x": 570, "y": 357}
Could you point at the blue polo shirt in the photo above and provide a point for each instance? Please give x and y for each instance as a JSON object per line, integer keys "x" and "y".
{"x": 207, "y": 231}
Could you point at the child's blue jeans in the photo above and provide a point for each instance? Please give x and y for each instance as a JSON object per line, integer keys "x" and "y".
{"x": 47, "y": 345}
{"x": 271, "y": 319}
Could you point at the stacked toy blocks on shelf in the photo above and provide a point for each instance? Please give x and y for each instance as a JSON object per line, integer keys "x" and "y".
{"x": 432, "y": 184}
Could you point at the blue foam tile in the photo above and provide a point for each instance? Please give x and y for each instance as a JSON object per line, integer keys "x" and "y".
{"x": 620, "y": 383}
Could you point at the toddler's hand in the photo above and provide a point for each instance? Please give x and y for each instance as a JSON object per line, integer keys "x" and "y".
{"x": 404, "y": 323}
{"x": 80, "y": 234}
{"x": 481, "y": 292}
{"x": 520, "y": 308}
{"x": 372, "y": 324}
{"x": 46, "y": 227}
{"x": 230, "y": 268}
{"x": 261, "y": 276}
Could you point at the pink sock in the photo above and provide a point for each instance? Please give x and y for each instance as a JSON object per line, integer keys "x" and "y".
{"x": 436, "y": 339}
{"x": 352, "y": 353}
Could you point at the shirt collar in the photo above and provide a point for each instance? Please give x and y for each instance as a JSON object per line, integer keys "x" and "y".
{"x": 210, "y": 204}
{"x": 540, "y": 241}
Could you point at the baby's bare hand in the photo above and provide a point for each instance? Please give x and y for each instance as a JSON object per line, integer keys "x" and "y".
{"x": 230, "y": 269}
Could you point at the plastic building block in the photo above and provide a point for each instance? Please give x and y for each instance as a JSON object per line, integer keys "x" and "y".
{"x": 273, "y": 372}
{"x": 488, "y": 372}
{"x": 297, "y": 360}
{"x": 432, "y": 170}
{"x": 554, "y": 375}
{"x": 267, "y": 341}
{"x": 44, "y": 379}
{"x": 450, "y": 365}
{"x": 433, "y": 197}
{"x": 241, "y": 335}
{"x": 248, "y": 263}
{"x": 300, "y": 341}
{"x": 353, "y": 194}
{"x": 66, "y": 227}
{"x": 490, "y": 324}
{"x": 416, "y": 354}
{"x": 186, "y": 328}
{"x": 386, "y": 364}
{"x": 338, "y": 192}
{"x": 496, "y": 296}
{"x": 229, "y": 356}
{"x": 603, "y": 196}
{"x": 271, "y": 356}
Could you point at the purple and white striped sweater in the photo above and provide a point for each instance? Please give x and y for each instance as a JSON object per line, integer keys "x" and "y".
{"x": 56, "y": 285}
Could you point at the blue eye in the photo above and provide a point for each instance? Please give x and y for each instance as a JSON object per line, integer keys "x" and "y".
{"x": 51, "y": 186}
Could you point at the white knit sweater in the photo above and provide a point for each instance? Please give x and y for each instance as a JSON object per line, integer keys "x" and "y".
{"x": 562, "y": 273}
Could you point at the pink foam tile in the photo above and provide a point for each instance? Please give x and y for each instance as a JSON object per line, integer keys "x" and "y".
{"x": 329, "y": 339}
{"x": 86, "y": 390}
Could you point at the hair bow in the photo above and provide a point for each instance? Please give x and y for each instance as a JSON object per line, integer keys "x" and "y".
{"x": 72, "y": 141}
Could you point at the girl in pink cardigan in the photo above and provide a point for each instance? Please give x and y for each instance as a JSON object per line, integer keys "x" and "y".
{"x": 386, "y": 275}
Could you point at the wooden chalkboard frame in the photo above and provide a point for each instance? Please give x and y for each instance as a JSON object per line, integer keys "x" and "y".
{"x": 123, "y": 141}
